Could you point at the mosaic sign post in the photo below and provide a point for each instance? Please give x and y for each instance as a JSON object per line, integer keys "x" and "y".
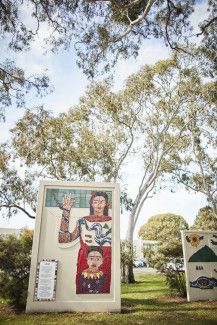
{"x": 200, "y": 256}
{"x": 77, "y": 224}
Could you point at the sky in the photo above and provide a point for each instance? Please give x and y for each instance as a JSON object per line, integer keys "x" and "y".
{"x": 69, "y": 84}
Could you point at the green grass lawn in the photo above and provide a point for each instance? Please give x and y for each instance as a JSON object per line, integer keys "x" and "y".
{"x": 146, "y": 302}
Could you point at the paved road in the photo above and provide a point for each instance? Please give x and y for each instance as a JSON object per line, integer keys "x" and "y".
{"x": 144, "y": 270}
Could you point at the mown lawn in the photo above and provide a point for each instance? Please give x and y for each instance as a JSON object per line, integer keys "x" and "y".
{"x": 146, "y": 302}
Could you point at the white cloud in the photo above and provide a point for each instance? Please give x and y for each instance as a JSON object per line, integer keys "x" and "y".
{"x": 200, "y": 13}
{"x": 151, "y": 51}
{"x": 39, "y": 44}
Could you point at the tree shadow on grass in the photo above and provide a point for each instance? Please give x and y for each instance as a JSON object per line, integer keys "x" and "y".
{"x": 146, "y": 291}
{"x": 171, "y": 317}
{"x": 130, "y": 305}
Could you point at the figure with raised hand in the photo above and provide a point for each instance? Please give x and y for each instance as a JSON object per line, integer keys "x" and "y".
{"x": 93, "y": 230}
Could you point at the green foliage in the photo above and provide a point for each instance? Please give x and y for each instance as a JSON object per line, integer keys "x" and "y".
{"x": 165, "y": 253}
{"x": 168, "y": 256}
{"x": 209, "y": 41}
{"x": 126, "y": 202}
{"x": 176, "y": 281}
{"x": 15, "y": 258}
{"x": 168, "y": 259}
{"x": 101, "y": 32}
{"x": 71, "y": 146}
{"x": 205, "y": 220}
{"x": 16, "y": 191}
{"x": 127, "y": 253}
{"x": 94, "y": 139}
{"x": 163, "y": 227}
{"x": 15, "y": 85}
{"x": 197, "y": 164}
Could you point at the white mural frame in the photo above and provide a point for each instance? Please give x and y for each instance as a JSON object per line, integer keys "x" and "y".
{"x": 45, "y": 246}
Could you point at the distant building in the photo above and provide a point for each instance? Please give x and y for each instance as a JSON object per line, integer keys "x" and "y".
{"x": 149, "y": 244}
{"x": 139, "y": 245}
{"x": 10, "y": 231}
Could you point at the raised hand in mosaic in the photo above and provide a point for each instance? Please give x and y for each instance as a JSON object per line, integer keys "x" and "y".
{"x": 67, "y": 202}
{"x": 64, "y": 235}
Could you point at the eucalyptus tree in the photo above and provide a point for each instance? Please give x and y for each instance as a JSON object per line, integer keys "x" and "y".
{"x": 151, "y": 119}
{"x": 100, "y": 28}
{"x": 15, "y": 84}
{"x": 100, "y": 31}
{"x": 167, "y": 91}
{"x": 197, "y": 165}
{"x": 95, "y": 139}
{"x": 162, "y": 101}
{"x": 72, "y": 146}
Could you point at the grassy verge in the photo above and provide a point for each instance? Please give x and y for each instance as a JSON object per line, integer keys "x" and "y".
{"x": 146, "y": 302}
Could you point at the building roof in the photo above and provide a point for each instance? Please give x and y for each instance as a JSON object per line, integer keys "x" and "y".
{"x": 10, "y": 231}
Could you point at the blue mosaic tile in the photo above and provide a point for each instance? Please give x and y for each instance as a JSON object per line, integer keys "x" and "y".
{"x": 54, "y": 197}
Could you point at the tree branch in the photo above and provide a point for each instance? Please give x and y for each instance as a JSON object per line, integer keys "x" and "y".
{"x": 136, "y": 21}
{"x": 203, "y": 28}
{"x": 9, "y": 206}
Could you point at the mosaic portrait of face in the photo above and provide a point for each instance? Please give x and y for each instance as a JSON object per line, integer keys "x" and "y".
{"x": 98, "y": 204}
{"x": 94, "y": 260}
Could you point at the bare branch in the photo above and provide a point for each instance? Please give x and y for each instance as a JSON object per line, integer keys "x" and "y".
{"x": 204, "y": 27}
{"x": 167, "y": 32}
{"x": 11, "y": 205}
{"x": 136, "y": 21}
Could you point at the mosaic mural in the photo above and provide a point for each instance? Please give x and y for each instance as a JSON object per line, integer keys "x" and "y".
{"x": 200, "y": 253}
{"x": 94, "y": 231}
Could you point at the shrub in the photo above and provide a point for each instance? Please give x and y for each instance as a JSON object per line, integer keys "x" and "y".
{"x": 175, "y": 279}
{"x": 168, "y": 259}
{"x": 15, "y": 259}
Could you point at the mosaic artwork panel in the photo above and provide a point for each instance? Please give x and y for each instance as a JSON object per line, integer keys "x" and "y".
{"x": 93, "y": 274}
{"x": 200, "y": 256}
{"x": 78, "y": 229}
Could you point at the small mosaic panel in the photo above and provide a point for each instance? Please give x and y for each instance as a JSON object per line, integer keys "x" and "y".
{"x": 54, "y": 197}
{"x": 200, "y": 254}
